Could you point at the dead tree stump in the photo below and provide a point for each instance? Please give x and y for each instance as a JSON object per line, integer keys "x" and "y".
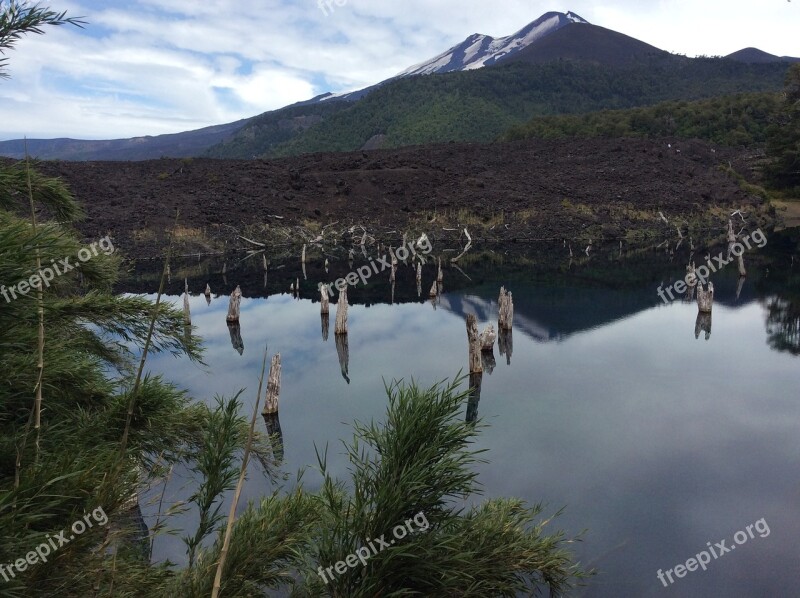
{"x": 326, "y": 323}
{"x": 488, "y": 336}
{"x": 273, "y": 386}
{"x": 474, "y": 340}
{"x": 233, "y": 306}
{"x": 187, "y": 316}
{"x": 705, "y": 298}
{"x": 341, "y": 313}
{"x": 324, "y": 301}
{"x": 506, "y": 304}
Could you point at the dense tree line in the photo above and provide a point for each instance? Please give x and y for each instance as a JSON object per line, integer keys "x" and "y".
{"x": 736, "y": 120}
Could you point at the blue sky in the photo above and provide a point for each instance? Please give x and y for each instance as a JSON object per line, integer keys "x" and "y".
{"x": 146, "y": 67}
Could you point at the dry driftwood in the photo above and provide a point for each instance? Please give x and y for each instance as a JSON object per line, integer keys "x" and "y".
{"x": 474, "y": 340}
{"x": 273, "y": 386}
{"x": 233, "y": 306}
{"x": 705, "y": 298}
{"x": 506, "y": 305}
{"x": 341, "y": 313}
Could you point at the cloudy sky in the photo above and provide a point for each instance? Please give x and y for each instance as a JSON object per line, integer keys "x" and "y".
{"x": 146, "y": 67}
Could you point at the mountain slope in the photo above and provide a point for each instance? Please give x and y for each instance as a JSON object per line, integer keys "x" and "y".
{"x": 481, "y": 105}
{"x": 588, "y": 43}
{"x": 478, "y": 51}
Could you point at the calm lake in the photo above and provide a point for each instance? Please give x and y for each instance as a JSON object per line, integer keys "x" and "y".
{"x": 655, "y": 436}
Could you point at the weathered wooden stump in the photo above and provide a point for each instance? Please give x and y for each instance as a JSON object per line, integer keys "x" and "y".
{"x": 488, "y": 336}
{"x": 273, "y": 386}
{"x": 705, "y": 298}
{"x": 341, "y": 313}
{"x": 303, "y": 256}
{"x": 187, "y": 316}
{"x": 506, "y": 309}
{"x": 474, "y": 341}
{"x": 324, "y": 307}
{"x": 234, "y": 305}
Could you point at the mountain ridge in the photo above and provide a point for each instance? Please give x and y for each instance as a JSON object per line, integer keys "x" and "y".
{"x": 552, "y": 38}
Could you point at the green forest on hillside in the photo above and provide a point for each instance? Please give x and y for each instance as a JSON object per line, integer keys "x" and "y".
{"x": 482, "y": 105}
{"x": 735, "y": 120}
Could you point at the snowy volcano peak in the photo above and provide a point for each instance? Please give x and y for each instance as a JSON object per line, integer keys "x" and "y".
{"x": 479, "y": 50}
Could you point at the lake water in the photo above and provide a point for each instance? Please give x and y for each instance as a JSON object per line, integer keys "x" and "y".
{"x": 656, "y": 437}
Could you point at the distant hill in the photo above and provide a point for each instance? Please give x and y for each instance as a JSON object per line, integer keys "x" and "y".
{"x": 176, "y": 145}
{"x": 756, "y": 56}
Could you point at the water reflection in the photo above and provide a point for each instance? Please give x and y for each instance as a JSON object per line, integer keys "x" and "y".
{"x": 235, "y": 331}
{"x": 596, "y": 401}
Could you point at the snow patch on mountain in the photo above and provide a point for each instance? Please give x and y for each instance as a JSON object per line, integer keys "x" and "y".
{"x": 478, "y": 51}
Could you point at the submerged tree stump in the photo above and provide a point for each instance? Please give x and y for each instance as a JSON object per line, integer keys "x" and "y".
{"x": 505, "y": 344}
{"x": 273, "y": 386}
{"x": 705, "y": 298}
{"x": 187, "y": 316}
{"x": 341, "y": 313}
{"x": 324, "y": 301}
{"x": 233, "y": 306}
{"x": 475, "y": 383}
{"x": 506, "y": 305}
{"x": 474, "y": 341}
{"x": 275, "y": 434}
{"x": 326, "y": 323}
{"x": 488, "y": 336}
{"x": 343, "y": 351}
{"x": 703, "y": 324}
{"x": 236, "y": 337}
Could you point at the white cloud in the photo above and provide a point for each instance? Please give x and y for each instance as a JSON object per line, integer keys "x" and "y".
{"x": 156, "y": 66}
